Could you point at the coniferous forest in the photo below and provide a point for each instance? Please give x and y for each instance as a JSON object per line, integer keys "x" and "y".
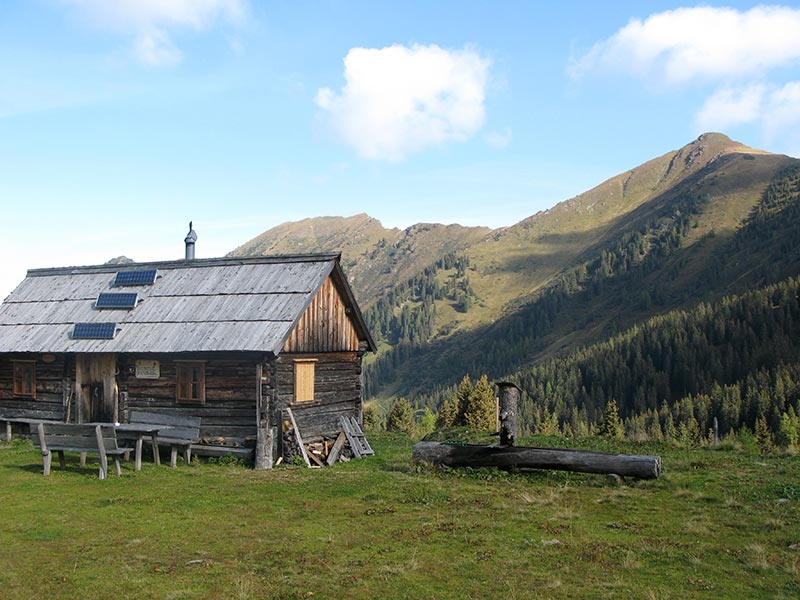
{"x": 735, "y": 358}
{"x": 666, "y": 297}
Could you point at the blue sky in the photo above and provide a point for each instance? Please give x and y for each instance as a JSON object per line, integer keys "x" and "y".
{"x": 122, "y": 120}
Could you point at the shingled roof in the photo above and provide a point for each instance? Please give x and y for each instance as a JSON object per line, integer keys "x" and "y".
{"x": 204, "y": 305}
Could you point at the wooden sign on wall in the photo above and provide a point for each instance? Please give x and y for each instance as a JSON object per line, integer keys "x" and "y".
{"x": 148, "y": 369}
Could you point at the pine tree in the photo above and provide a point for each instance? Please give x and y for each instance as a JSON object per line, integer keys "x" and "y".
{"x": 481, "y": 410}
{"x": 611, "y": 426}
{"x": 788, "y": 431}
{"x": 670, "y": 431}
{"x": 427, "y": 422}
{"x": 401, "y": 418}
{"x": 461, "y": 400}
{"x": 370, "y": 418}
{"x": 447, "y": 415}
{"x": 548, "y": 424}
{"x": 689, "y": 433}
{"x": 764, "y": 435}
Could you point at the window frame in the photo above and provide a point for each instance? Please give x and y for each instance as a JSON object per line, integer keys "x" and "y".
{"x": 304, "y": 368}
{"x": 184, "y": 369}
{"x": 19, "y": 367}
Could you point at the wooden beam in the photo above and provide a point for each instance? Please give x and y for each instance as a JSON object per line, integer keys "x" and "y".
{"x": 337, "y": 448}
{"x": 521, "y": 457}
{"x": 263, "y": 457}
{"x": 316, "y": 459}
{"x": 298, "y": 438}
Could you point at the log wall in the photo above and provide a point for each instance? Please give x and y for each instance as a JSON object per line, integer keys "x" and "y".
{"x": 50, "y": 388}
{"x": 229, "y": 410}
{"x": 337, "y": 391}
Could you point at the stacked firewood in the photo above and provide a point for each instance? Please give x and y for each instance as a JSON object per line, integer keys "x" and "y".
{"x": 221, "y": 441}
{"x": 290, "y": 446}
{"x": 323, "y": 450}
{"x": 320, "y": 449}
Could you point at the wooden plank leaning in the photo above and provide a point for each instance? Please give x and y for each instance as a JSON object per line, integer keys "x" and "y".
{"x": 101, "y": 450}
{"x": 351, "y": 436}
{"x": 358, "y": 441}
{"x": 333, "y": 455}
{"x": 298, "y": 437}
{"x": 47, "y": 457}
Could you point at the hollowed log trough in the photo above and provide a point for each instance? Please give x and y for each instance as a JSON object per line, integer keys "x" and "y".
{"x": 521, "y": 457}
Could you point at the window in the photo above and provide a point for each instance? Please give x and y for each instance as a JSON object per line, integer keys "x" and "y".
{"x": 191, "y": 378}
{"x": 25, "y": 378}
{"x": 304, "y": 379}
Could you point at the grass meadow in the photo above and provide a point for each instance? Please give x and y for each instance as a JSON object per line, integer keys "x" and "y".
{"x": 719, "y": 523}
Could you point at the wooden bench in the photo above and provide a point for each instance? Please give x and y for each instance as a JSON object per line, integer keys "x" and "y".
{"x": 176, "y": 431}
{"x": 65, "y": 437}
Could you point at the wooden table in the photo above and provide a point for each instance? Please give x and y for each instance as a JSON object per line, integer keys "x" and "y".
{"x": 138, "y": 431}
{"x": 23, "y": 420}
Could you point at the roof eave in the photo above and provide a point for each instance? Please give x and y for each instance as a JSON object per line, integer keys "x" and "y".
{"x": 184, "y": 264}
{"x": 358, "y": 317}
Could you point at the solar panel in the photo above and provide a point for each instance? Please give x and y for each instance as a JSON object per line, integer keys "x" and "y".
{"x": 112, "y": 300}
{"x": 94, "y": 331}
{"x": 140, "y": 277}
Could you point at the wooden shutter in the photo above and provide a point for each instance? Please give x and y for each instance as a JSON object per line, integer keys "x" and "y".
{"x": 304, "y": 379}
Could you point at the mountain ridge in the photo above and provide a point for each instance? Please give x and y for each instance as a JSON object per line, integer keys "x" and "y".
{"x": 635, "y": 245}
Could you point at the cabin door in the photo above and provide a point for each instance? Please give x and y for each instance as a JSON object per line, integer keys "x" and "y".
{"x": 96, "y": 391}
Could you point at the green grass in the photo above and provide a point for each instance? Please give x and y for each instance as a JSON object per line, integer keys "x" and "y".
{"x": 717, "y": 524}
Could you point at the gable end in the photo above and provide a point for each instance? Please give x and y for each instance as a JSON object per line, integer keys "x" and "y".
{"x": 326, "y": 325}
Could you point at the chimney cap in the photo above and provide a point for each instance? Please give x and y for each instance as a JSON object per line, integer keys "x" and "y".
{"x": 191, "y": 237}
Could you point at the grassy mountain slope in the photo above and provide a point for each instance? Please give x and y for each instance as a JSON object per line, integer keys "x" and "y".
{"x": 692, "y": 243}
{"x": 374, "y": 257}
{"x": 520, "y": 259}
{"x": 451, "y": 300}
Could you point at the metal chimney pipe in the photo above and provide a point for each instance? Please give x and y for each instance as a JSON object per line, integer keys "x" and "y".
{"x": 191, "y": 238}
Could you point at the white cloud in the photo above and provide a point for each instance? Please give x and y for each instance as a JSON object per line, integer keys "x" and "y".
{"x": 151, "y": 20}
{"x": 499, "y": 139}
{"x": 729, "y": 107}
{"x": 699, "y": 43}
{"x": 157, "y": 50}
{"x": 399, "y": 100}
{"x": 773, "y": 109}
{"x": 146, "y": 14}
{"x": 783, "y": 110}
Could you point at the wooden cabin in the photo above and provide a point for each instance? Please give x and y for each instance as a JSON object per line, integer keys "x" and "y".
{"x": 232, "y": 341}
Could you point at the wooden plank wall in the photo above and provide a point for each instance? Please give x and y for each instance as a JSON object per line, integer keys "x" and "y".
{"x": 230, "y": 407}
{"x": 337, "y": 391}
{"x": 49, "y": 401}
{"x": 325, "y": 326}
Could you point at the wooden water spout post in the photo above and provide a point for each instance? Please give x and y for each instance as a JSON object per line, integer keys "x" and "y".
{"x": 509, "y": 402}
